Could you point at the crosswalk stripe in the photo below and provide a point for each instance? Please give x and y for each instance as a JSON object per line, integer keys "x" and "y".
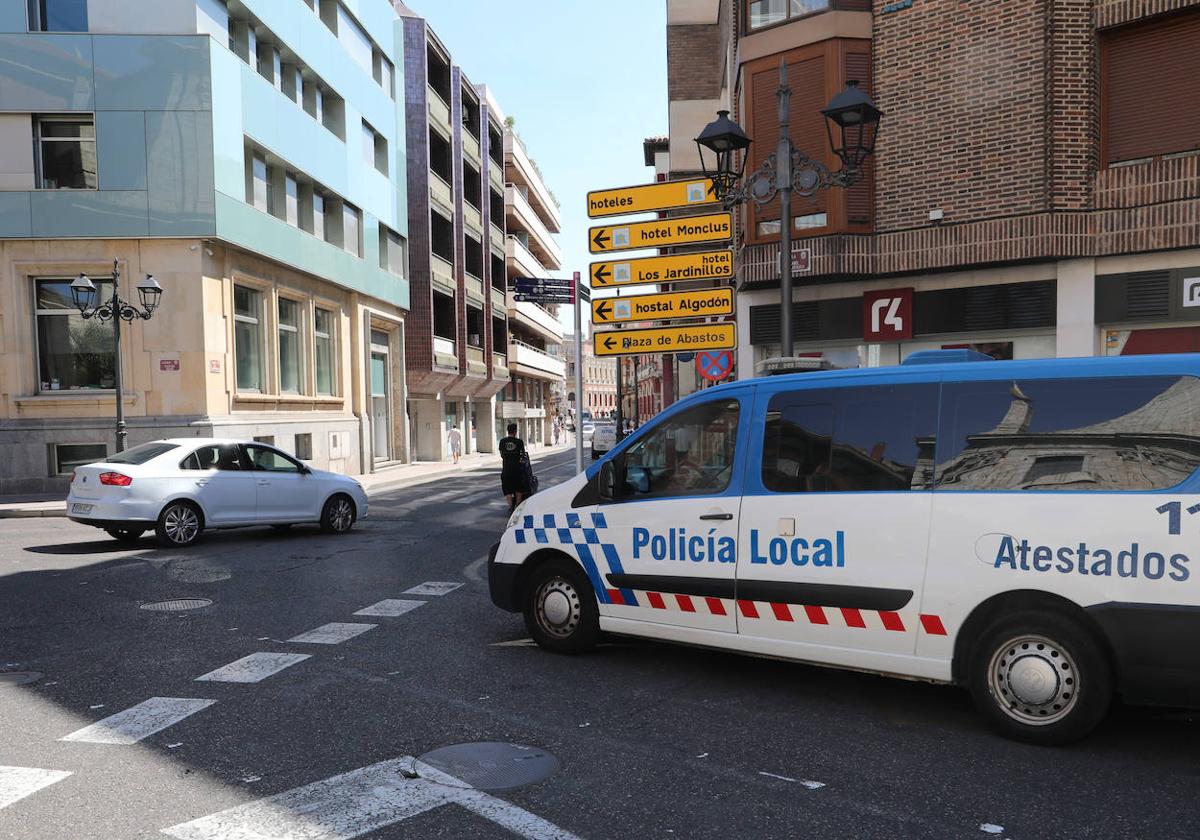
{"x": 358, "y": 802}
{"x": 18, "y": 782}
{"x": 253, "y": 668}
{"x": 433, "y": 587}
{"x": 391, "y": 607}
{"x": 140, "y": 721}
{"x": 333, "y": 633}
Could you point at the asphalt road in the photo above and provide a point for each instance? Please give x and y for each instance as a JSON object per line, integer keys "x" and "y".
{"x": 654, "y": 740}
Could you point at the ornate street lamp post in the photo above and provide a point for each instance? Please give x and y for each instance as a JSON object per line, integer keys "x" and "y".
{"x": 83, "y": 295}
{"x": 852, "y": 121}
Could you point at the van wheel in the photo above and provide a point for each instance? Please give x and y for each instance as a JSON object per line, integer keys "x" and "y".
{"x": 1040, "y": 678}
{"x": 560, "y": 608}
{"x": 337, "y": 516}
{"x": 180, "y": 524}
{"x": 125, "y": 535}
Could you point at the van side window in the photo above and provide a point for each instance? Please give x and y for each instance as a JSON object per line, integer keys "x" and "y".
{"x": 1106, "y": 433}
{"x": 691, "y": 454}
{"x": 870, "y": 439}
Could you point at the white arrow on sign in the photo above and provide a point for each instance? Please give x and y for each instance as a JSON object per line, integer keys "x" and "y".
{"x": 891, "y": 319}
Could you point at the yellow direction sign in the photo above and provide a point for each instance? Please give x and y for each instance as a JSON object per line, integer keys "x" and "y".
{"x": 702, "y": 265}
{"x": 683, "y": 339}
{"x": 662, "y": 307}
{"x": 685, "y": 230}
{"x": 665, "y": 195}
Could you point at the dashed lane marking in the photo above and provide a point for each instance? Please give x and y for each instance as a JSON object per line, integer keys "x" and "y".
{"x": 18, "y": 782}
{"x": 140, "y": 721}
{"x": 391, "y": 607}
{"x": 474, "y": 571}
{"x": 253, "y": 668}
{"x": 333, "y": 633}
{"x": 433, "y": 588}
{"x": 361, "y": 801}
{"x": 515, "y": 643}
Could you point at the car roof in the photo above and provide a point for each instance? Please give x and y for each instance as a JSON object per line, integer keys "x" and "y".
{"x": 207, "y": 441}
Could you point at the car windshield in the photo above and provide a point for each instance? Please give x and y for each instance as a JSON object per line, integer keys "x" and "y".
{"x": 140, "y": 454}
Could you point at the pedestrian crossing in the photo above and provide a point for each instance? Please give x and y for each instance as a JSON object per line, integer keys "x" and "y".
{"x": 332, "y": 634}
{"x": 18, "y": 782}
{"x": 140, "y": 721}
{"x": 253, "y": 668}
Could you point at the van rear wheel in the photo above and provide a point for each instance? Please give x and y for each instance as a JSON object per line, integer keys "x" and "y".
{"x": 1040, "y": 678}
{"x": 560, "y": 608}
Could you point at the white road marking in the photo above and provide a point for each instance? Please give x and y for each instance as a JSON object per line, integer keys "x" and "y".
{"x": 808, "y": 783}
{"x": 358, "y": 802}
{"x": 432, "y": 587}
{"x": 140, "y": 721}
{"x": 991, "y": 828}
{"x": 515, "y": 643}
{"x": 18, "y": 782}
{"x": 333, "y": 633}
{"x": 475, "y": 570}
{"x": 253, "y": 668}
{"x": 391, "y": 607}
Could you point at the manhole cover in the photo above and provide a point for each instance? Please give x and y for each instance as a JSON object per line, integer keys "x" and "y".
{"x": 19, "y": 677}
{"x": 177, "y": 605}
{"x": 493, "y": 766}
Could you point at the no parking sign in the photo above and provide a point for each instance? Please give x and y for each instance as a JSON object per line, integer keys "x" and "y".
{"x": 714, "y": 365}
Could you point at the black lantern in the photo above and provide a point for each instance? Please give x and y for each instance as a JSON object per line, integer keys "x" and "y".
{"x": 149, "y": 292}
{"x": 857, "y": 120}
{"x": 83, "y": 293}
{"x": 726, "y": 139}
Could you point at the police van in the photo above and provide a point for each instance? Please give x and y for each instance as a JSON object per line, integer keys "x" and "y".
{"x": 1025, "y": 529}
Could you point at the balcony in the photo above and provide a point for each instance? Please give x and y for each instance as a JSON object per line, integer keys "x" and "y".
{"x": 535, "y": 318}
{"x": 442, "y": 273}
{"x": 443, "y": 352}
{"x": 439, "y": 112}
{"x": 528, "y": 360}
{"x": 474, "y": 288}
{"x": 496, "y": 174}
{"x": 522, "y": 170}
{"x": 471, "y": 147}
{"x": 520, "y": 260}
{"x": 498, "y": 300}
{"x": 521, "y": 216}
{"x": 497, "y": 234}
{"x": 475, "y": 362}
{"x": 499, "y": 365}
{"x": 473, "y": 219}
{"x": 440, "y": 193}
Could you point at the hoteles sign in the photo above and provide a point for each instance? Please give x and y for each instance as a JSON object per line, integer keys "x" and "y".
{"x": 663, "y": 307}
{"x": 702, "y": 265}
{"x": 647, "y": 198}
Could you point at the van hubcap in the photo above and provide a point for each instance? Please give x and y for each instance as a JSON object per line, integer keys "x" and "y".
{"x": 1034, "y": 680}
{"x": 181, "y": 524}
{"x": 558, "y": 608}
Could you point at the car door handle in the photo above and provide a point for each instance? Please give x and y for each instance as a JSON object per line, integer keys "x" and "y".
{"x": 721, "y": 516}
{"x": 263, "y": 481}
{"x": 200, "y": 482}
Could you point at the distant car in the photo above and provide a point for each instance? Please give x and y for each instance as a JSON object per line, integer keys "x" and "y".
{"x": 182, "y": 487}
{"x": 604, "y": 438}
{"x": 588, "y": 428}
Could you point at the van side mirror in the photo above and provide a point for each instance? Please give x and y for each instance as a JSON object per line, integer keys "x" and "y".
{"x": 606, "y": 481}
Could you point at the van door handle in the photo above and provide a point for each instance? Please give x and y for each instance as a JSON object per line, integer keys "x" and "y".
{"x": 722, "y": 516}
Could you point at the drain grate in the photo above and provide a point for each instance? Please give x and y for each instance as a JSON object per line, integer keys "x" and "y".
{"x": 19, "y": 677}
{"x": 490, "y": 765}
{"x": 176, "y": 605}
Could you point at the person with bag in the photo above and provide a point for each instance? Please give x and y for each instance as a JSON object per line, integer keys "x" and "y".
{"x": 515, "y": 471}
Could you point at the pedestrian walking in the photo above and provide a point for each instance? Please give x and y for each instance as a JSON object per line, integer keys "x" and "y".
{"x": 514, "y": 480}
{"x": 557, "y": 430}
{"x": 454, "y": 438}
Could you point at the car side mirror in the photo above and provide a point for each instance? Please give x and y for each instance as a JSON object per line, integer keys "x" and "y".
{"x": 606, "y": 481}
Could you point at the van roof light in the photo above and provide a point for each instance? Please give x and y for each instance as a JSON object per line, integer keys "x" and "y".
{"x": 938, "y": 357}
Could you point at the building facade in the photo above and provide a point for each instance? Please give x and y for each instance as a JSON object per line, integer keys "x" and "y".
{"x": 250, "y": 156}
{"x": 1021, "y": 200}
{"x": 599, "y": 380}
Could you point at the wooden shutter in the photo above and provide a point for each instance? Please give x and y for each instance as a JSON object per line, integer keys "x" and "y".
{"x": 860, "y": 199}
{"x": 1151, "y": 88}
{"x": 807, "y": 80}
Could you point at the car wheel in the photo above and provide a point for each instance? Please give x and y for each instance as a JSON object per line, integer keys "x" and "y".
{"x": 560, "y": 608}
{"x": 1040, "y": 678}
{"x": 180, "y": 524}
{"x": 125, "y": 535}
{"x": 338, "y": 515}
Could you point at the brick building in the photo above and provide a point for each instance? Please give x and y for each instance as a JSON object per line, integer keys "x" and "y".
{"x": 1034, "y": 190}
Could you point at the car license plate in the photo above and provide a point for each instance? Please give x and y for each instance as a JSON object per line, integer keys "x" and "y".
{"x": 78, "y": 508}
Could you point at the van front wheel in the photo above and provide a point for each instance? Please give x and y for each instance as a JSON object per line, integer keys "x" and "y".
{"x": 560, "y": 608}
{"x": 1040, "y": 678}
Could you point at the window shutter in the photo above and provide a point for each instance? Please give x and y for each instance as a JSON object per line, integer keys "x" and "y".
{"x": 860, "y": 199}
{"x": 1151, "y": 78}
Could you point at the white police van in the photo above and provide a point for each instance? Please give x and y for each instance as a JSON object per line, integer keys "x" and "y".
{"x": 1023, "y": 529}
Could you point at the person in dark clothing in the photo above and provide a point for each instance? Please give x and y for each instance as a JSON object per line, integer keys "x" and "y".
{"x": 513, "y": 479}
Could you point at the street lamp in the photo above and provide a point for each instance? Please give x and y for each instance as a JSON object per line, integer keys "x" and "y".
{"x": 852, "y": 121}
{"x": 83, "y": 295}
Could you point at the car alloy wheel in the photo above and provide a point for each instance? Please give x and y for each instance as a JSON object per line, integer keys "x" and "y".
{"x": 181, "y": 524}
{"x": 338, "y": 516}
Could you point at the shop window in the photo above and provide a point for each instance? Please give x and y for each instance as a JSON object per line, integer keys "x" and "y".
{"x": 323, "y": 350}
{"x": 66, "y": 457}
{"x": 73, "y": 353}
{"x": 58, "y": 16}
{"x": 291, "y": 367}
{"x": 247, "y": 338}
{"x": 66, "y": 149}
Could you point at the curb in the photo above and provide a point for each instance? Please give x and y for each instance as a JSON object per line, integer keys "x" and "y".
{"x": 33, "y": 513}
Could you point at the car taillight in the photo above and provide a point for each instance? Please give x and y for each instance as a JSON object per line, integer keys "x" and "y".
{"x": 115, "y": 479}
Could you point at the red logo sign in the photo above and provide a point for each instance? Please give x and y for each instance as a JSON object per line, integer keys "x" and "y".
{"x": 714, "y": 365}
{"x": 887, "y": 315}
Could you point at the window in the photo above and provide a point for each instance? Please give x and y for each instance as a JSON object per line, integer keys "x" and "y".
{"x": 141, "y": 454}
{"x": 690, "y": 454}
{"x": 354, "y": 40}
{"x": 66, "y": 153}
{"x": 247, "y": 338}
{"x": 1119, "y": 433}
{"x": 260, "y": 185}
{"x": 73, "y": 353}
{"x": 290, "y": 368}
{"x": 871, "y": 439}
{"x": 223, "y": 456}
{"x": 304, "y": 446}
{"x": 67, "y": 456}
{"x": 58, "y": 15}
{"x": 374, "y": 147}
{"x": 384, "y": 73}
{"x": 323, "y": 350}
{"x": 318, "y": 215}
{"x": 767, "y": 12}
{"x": 352, "y": 229}
{"x": 271, "y": 460}
{"x": 291, "y": 200}
{"x": 392, "y": 247}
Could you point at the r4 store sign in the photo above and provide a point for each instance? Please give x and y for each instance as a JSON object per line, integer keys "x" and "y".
{"x": 887, "y": 315}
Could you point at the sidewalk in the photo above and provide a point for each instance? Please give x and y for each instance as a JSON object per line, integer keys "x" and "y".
{"x": 393, "y": 478}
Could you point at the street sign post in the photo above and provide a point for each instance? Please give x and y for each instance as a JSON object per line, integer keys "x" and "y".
{"x": 681, "y": 339}
{"x": 702, "y": 265}
{"x": 647, "y": 198}
{"x": 663, "y": 307}
{"x": 659, "y": 233}
{"x": 714, "y": 365}
{"x": 543, "y": 290}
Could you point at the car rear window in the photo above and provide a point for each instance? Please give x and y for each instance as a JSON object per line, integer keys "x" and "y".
{"x": 141, "y": 454}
